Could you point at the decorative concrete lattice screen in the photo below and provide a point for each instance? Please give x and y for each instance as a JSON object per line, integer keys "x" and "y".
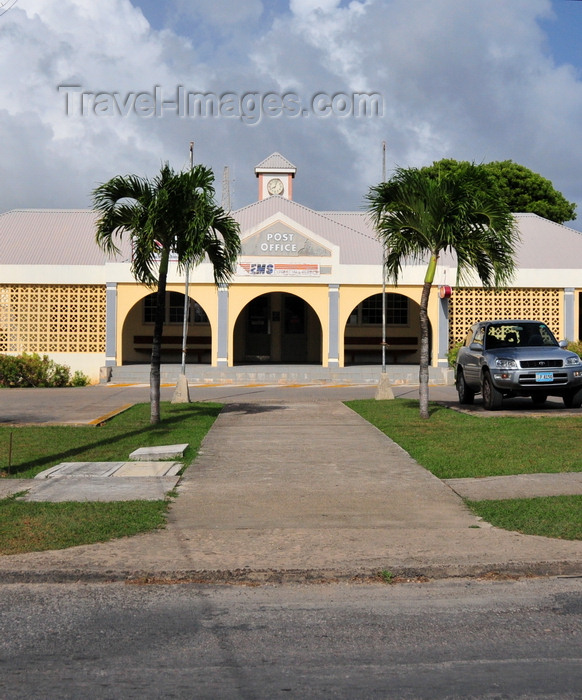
{"x": 467, "y": 306}
{"x": 52, "y": 318}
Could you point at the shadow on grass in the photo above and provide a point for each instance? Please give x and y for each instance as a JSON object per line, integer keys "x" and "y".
{"x": 412, "y": 407}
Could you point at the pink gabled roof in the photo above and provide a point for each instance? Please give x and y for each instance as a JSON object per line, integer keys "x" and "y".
{"x": 359, "y": 220}
{"x": 67, "y": 236}
{"x": 546, "y": 245}
{"x": 358, "y": 246}
{"x": 275, "y": 162}
{"x": 52, "y": 237}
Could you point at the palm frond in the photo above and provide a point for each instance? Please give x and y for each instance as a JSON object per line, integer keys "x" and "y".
{"x": 175, "y": 209}
{"x": 416, "y": 215}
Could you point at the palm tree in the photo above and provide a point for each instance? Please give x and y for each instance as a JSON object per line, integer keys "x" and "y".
{"x": 173, "y": 214}
{"x": 417, "y": 217}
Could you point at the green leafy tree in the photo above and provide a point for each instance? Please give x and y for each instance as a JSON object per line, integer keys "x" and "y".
{"x": 522, "y": 188}
{"x": 172, "y": 214}
{"x": 418, "y": 217}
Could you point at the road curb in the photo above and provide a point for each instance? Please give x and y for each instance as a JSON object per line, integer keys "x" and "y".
{"x": 248, "y": 576}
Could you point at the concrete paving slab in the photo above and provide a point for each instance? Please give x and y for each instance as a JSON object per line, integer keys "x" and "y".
{"x": 519, "y": 486}
{"x": 8, "y": 487}
{"x": 159, "y": 452}
{"x": 94, "y": 470}
{"x": 85, "y": 469}
{"x": 144, "y": 469}
{"x": 82, "y": 489}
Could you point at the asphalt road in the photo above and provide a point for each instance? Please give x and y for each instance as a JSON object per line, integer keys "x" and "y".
{"x": 448, "y": 639}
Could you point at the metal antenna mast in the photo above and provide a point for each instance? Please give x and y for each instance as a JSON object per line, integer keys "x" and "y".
{"x": 186, "y": 284}
{"x": 226, "y": 188}
{"x": 384, "y": 274}
{"x": 384, "y": 390}
{"x": 182, "y": 394}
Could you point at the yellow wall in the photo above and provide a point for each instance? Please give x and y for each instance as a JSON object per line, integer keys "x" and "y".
{"x": 351, "y": 296}
{"x": 317, "y": 296}
{"x": 129, "y": 297}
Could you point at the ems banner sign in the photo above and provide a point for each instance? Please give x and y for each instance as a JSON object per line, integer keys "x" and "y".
{"x": 278, "y": 270}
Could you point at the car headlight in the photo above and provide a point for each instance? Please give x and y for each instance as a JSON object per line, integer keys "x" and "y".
{"x": 573, "y": 360}
{"x": 505, "y": 363}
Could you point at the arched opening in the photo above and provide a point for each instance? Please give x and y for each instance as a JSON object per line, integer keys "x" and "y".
{"x": 138, "y": 329}
{"x": 277, "y": 328}
{"x": 363, "y": 331}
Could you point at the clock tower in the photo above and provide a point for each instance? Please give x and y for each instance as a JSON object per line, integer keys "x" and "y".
{"x": 275, "y": 175}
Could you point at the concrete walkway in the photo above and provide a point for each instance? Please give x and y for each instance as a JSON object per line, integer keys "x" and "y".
{"x": 297, "y": 490}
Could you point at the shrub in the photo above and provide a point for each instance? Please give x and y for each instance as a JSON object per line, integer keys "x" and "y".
{"x": 10, "y": 370}
{"x": 80, "y": 379}
{"x": 33, "y": 370}
{"x": 39, "y": 371}
{"x": 575, "y": 346}
{"x": 453, "y": 352}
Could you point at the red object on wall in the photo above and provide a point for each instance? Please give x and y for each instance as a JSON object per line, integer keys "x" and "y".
{"x": 445, "y": 291}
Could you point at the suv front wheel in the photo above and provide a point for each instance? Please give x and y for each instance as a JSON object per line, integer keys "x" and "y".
{"x": 573, "y": 399}
{"x": 492, "y": 397}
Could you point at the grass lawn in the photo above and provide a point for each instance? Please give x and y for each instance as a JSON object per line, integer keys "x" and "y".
{"x": 554, "y": 516}
{"x": 31, "y": 526}
{"x": 35, "y": 527}
{"x": 36, "y": 448}
{"x": 456, "y": 445}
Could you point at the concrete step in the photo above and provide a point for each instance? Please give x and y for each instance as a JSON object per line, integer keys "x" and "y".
{"x": 278, "y": 374}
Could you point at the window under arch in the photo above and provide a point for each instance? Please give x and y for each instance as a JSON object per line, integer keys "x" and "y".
{"x": 369, "y": 311}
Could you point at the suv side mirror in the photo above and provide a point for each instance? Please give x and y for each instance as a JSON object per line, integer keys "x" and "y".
{"x": 563, "y": 343}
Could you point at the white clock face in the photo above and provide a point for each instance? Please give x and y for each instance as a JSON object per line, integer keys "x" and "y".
{"x": 275, "y": 186}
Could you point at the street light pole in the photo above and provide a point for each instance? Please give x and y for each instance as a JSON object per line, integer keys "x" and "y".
{"x": 186, "y": 285}
{"x": 384, "y": 390}
{"x": 384, "y": 274}
{"x": 182, "y": 393}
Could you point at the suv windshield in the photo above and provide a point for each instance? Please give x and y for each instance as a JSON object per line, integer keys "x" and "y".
{"x": 518, "y": 335}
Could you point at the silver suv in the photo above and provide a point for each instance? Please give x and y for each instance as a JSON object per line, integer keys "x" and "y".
{"x": 502, "y": 359}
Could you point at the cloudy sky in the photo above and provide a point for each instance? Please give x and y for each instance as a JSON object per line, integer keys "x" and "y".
{"x": 89, "y": 90}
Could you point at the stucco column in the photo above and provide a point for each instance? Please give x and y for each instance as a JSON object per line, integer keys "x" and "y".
{"x": 333, "y": 344}
{"x": 443, "y": 333}
{"x": 569, "y": 318}
{"x": 222, "y": 328}
{"x": 111, "y": 324}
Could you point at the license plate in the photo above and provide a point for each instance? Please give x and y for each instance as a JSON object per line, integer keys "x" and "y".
{"x": 544, "y": 376}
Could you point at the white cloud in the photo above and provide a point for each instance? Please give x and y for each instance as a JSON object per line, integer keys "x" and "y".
{"x": 460, "y": 78}
{"x": 469, "y": 79}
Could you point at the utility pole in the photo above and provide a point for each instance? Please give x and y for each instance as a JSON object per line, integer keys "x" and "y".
{"x": 226, "y": 189}
{"x": 384, "y": 274}
{"x": 384, "y": 390}
{"x": 186, "y": 283}
{"x": 182, "y": 393}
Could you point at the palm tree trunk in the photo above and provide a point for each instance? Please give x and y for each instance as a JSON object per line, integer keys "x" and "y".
{"x": 424, "y": 351}
{"x": 424, "y": 336}
{"x": 157, "y": 339}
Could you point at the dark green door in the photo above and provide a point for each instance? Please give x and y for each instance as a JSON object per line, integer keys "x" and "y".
{"x": 258, "y": 335}
{"x": 294, "y": 330}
